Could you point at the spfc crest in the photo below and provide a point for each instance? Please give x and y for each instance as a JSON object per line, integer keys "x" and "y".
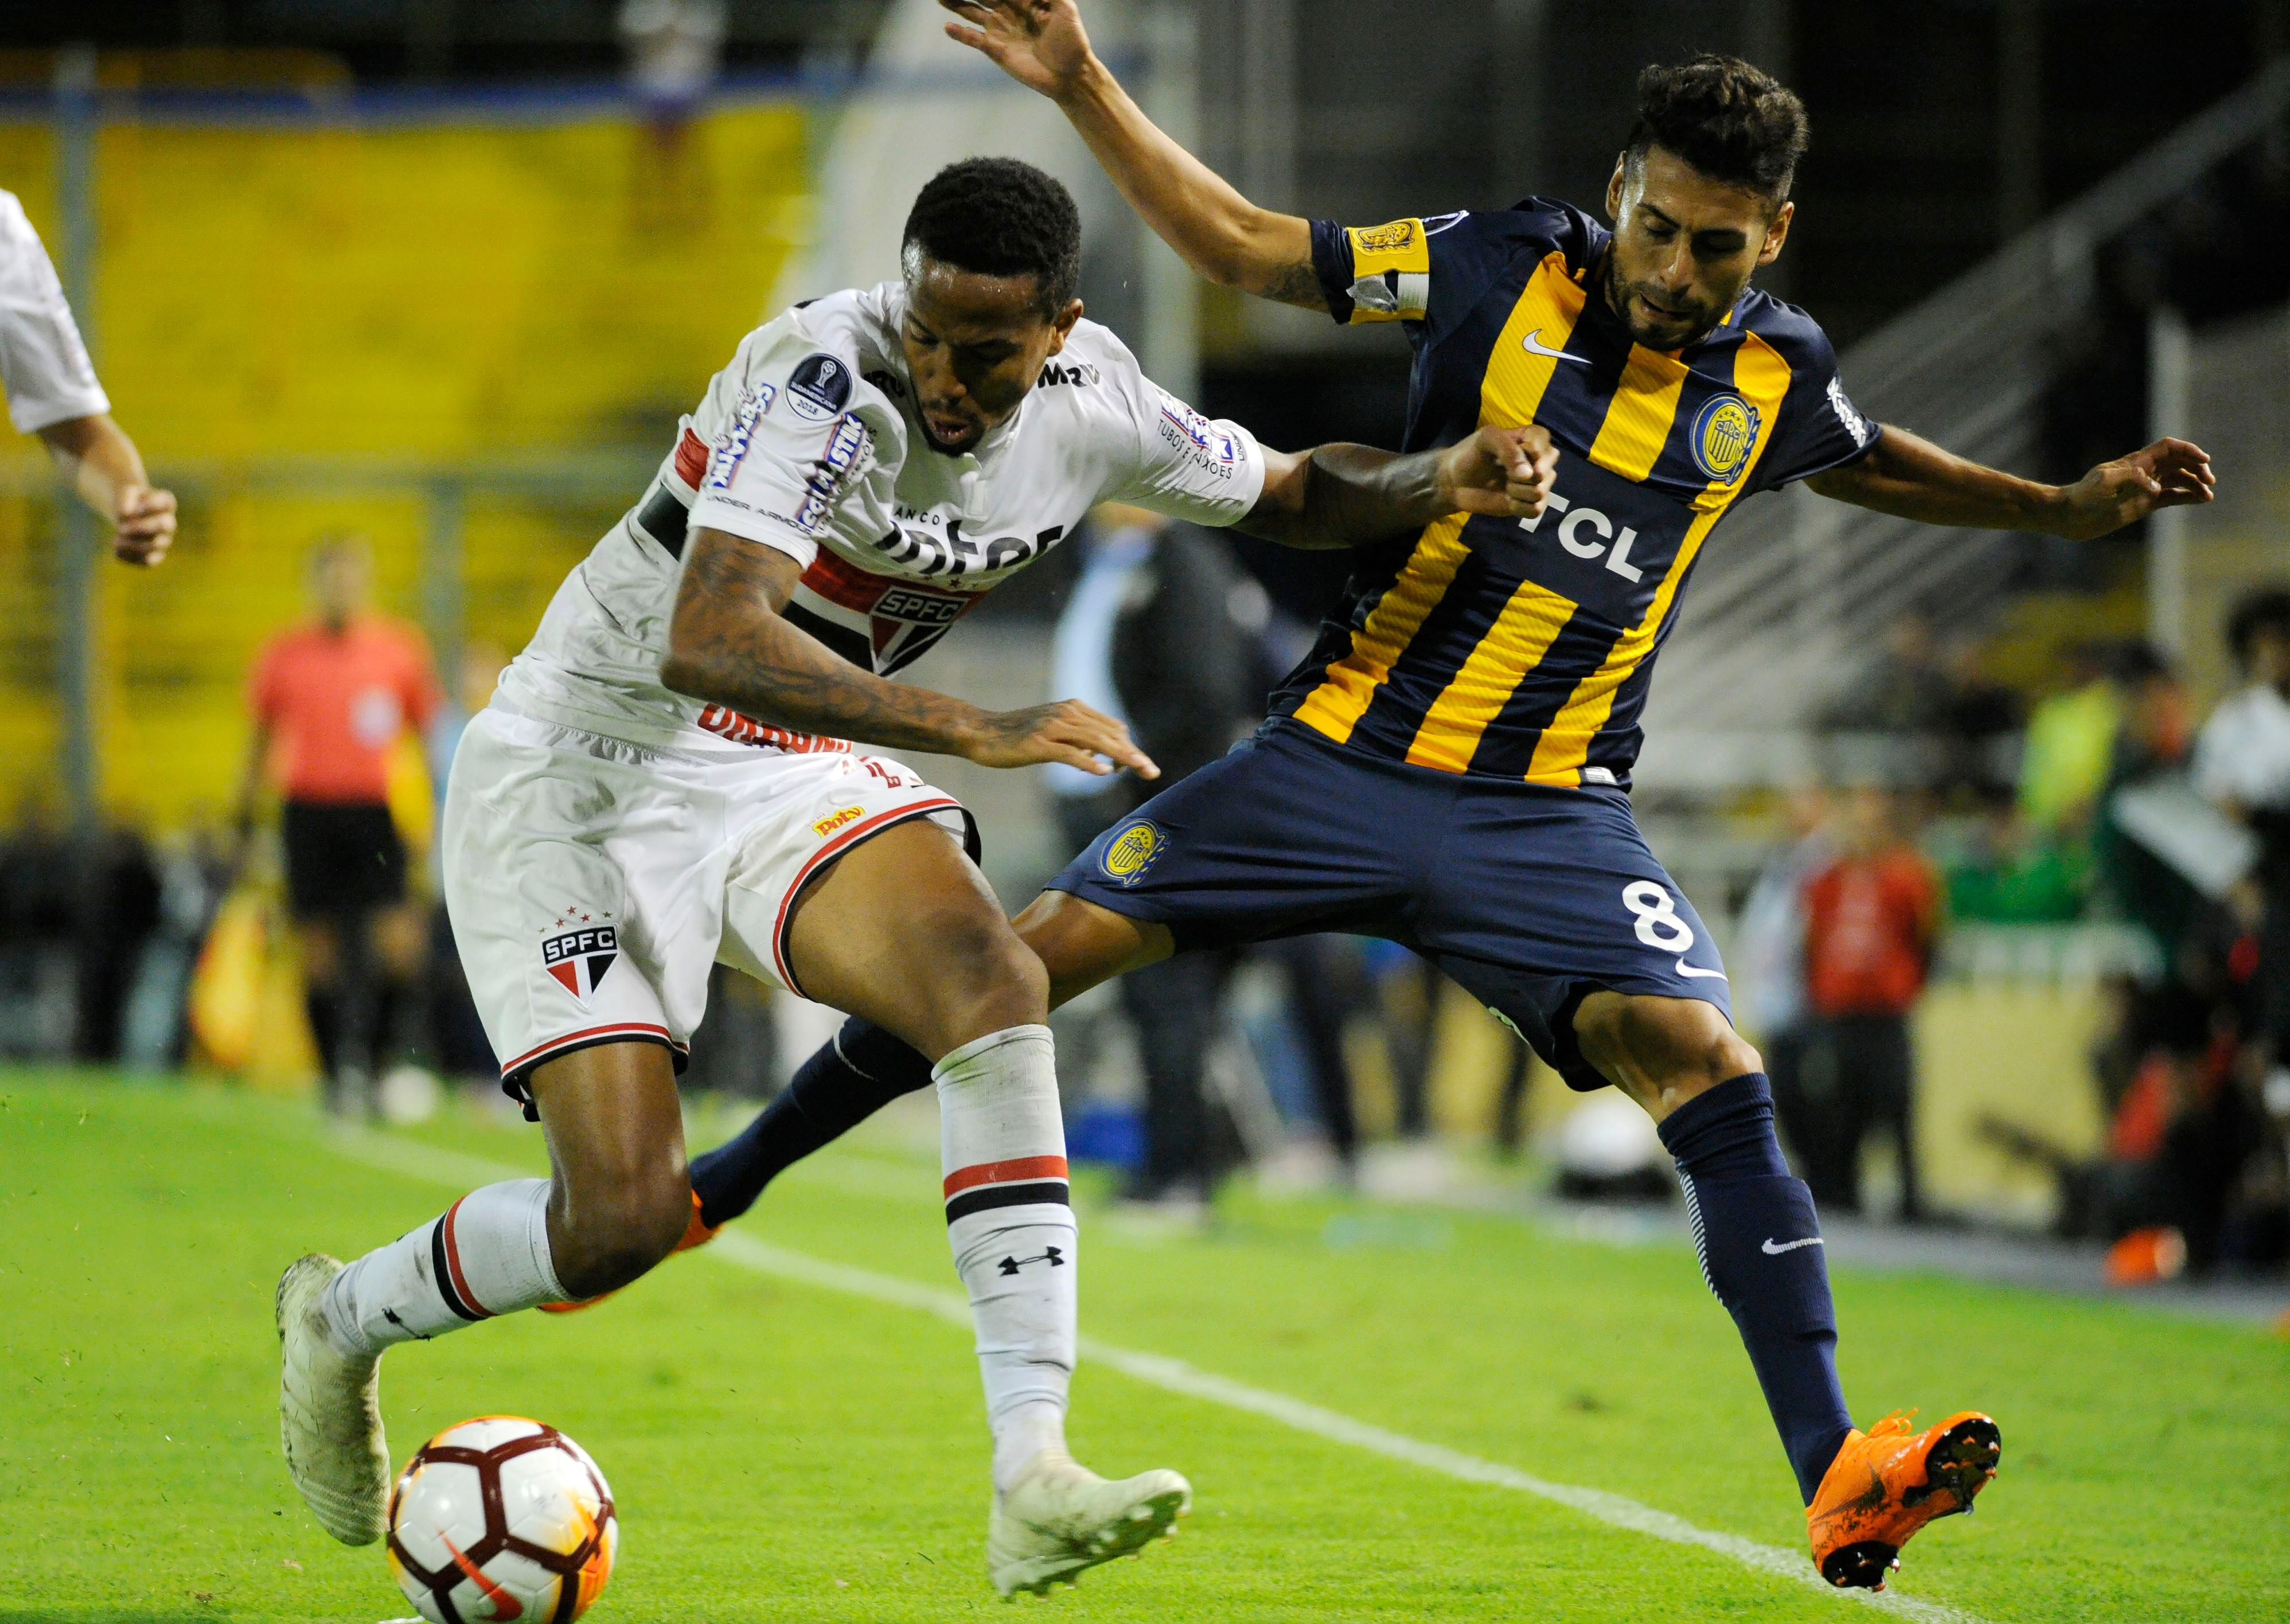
{"x": 580, "y": 959}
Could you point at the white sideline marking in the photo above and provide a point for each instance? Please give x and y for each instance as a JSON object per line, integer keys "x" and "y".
{"x": 416, "y": 1160}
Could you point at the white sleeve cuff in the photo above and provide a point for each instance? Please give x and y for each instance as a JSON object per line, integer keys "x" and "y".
{"x": 753, "y": 524}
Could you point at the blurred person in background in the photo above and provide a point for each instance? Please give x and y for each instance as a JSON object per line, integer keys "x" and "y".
{"x": 1871, "y": 919}
{"x": 2069, "y": 744}
{"x": 1769, "y": 945}
{"x": 2242, "y": 765}
{"x": 53, "y": 393}
{"x": 331, "y": 700}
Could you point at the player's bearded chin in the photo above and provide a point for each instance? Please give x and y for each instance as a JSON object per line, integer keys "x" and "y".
{"x": 1696, "y": 322}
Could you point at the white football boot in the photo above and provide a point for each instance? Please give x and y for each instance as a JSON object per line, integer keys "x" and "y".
{"x": 1061, "y": 1517}
{"x": 329, "y": 1412}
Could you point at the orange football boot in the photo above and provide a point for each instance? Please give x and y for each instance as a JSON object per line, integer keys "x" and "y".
{"x": 695, "y": 1233}
{"x": 1887, "y": 1483}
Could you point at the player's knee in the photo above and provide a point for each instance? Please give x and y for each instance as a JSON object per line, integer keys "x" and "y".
{"x": 989, "y": 980}
{"x": 612, "y": 1229}
{"x": 1690, "y": 1047}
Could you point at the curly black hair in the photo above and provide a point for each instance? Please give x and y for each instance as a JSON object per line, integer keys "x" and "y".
{"x": 1733, "y": 122}
{"x": 1000, "y": 218}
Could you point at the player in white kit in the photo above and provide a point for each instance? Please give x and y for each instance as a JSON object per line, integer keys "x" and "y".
{"x": 675, "y": 772}
{"x": 53, "y": 393}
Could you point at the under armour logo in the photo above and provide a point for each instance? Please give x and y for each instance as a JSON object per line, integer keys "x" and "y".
{"x": 1048, "y": 1255}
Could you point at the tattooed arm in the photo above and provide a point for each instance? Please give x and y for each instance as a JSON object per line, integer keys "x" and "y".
{"x": 1218, "y": 232}
{"x": 1347, "y": 495}
{"x": 728, "y": 644}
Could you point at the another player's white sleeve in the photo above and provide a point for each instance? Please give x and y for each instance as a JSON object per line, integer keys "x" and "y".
{"x": 1209, "y": 470}
{"x": 797, "y": 432}
{"x": 42, "y": 363}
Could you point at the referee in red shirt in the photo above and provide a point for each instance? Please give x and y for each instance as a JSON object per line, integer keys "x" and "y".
{"x": 331, "y": 700}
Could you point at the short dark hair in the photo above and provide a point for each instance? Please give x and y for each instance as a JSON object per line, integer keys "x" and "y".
{"x": 2262, "y": 609}
{"x": 999, "y": 217}
{"x": 1733, "y": 122}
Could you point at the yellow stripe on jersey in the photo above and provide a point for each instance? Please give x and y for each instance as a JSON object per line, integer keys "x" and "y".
{"x": 1336, "y": 706}
{"x": 1762, "y": 378}
{"x": 1516, "y": 378}
{"x": 1639, "y": 417}
{"x": 1516, "y": 375}
{"x": 1514, "y": 645}
{"x": 1401, "y": 249}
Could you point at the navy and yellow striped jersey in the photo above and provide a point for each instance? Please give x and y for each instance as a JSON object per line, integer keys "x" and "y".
{"x": 1522, "y": 650}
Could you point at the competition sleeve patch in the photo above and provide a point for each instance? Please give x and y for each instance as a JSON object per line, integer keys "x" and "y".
{"x": 1373, "y": 273}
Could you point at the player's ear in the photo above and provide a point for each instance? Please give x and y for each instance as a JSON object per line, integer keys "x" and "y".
{"x": 1614, "y": 188}
{"x": 1061, "y": 324}
{"x": 1777, "y": 234}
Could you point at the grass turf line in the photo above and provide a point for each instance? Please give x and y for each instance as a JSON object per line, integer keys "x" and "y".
{"x": 767, "y": 1442}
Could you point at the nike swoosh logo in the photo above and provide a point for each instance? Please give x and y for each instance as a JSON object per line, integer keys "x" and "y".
{"x": 1773, "y": 1251}
{"x": 1536, "y": 346}
{"x": 1687, "y": 970}
{"x": 505, "y": 1606}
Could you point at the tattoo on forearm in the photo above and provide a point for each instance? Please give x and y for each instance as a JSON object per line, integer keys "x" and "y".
{"x": 729, "y": 645}
{"x": 1295, "y": 283}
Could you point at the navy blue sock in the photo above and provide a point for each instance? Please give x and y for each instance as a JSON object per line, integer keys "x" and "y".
{"x": 858, "y": 1072}
{"x": 1755, "y": 1228}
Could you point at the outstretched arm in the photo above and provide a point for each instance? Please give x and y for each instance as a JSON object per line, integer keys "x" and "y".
{"x": 106, "y": 470}
{"x": 728, "y": 644}
{"x": 1343, "y": 495}
{"x": 1223, "y": 236}
{"x": 1916, "y": 479}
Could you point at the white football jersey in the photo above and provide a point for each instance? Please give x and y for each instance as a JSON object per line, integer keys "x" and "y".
{"x": 42, "y": 363}
{"x": 809, "y": 443}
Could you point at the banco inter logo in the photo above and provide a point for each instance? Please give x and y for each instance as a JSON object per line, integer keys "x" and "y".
{"x": 580, "y": 959}
{"x": 1132, "y": 852}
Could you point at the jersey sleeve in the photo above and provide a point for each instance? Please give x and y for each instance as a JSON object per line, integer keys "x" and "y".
{"x": 1820, "y": 428}
{"x": 1188, "y": 464}
{"x": 42, "y": 363}
{"x": 795, "y": 429}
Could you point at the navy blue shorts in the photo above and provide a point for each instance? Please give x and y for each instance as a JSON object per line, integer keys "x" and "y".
{"x": 1530, "y": 897}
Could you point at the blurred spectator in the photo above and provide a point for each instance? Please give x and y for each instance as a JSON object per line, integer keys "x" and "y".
{"x": 331, "y": 700}
{"x": 194, "y": 876}
{"x": 1769, "y": 948}
{"x": 38, "y": 973}
{"x": 2070, "y": 743}
{"x": 2242, "y": 765}
{"x": 2150, "y": 752}
{"x": 1871, "y": 919}
{"x": 1907, "y": 692}
{"x": 1980, "y": 727}
{"x": 118, "y": 911}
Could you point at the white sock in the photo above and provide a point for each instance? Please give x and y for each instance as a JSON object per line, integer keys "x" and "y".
{"x": 487, "y": 1255}
{"x": 1011, "y": 1223}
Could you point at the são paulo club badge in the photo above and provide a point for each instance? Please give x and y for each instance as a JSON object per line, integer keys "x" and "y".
{"x": 580, "y": 959}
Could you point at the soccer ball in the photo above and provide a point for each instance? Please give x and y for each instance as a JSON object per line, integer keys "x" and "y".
{"x": 501, "y": 1518}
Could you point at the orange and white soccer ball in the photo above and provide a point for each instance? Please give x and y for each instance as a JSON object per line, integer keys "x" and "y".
{"x": 501, "y": 1518}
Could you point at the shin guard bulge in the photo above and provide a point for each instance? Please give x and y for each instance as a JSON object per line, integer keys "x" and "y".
{"x": 1010, "y": 1221}
{"x": 1761, "y": 1251}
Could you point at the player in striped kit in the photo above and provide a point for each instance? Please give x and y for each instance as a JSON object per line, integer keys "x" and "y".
{"x": 675, "y": 772}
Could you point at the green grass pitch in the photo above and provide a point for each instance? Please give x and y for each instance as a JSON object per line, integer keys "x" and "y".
{"x": 785, "y": 1452}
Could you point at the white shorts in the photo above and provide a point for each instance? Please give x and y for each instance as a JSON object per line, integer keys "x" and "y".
{"x": 592, "y": 883}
